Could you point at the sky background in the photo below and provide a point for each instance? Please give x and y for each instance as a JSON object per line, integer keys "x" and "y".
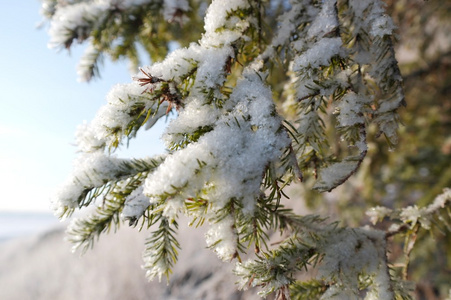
{"x": 41, "y": 105}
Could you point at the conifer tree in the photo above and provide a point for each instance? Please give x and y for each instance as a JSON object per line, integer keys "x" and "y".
{"x": 266, "y": 95}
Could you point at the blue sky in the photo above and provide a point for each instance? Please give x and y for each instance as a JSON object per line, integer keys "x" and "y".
{"x": 41, "y": 104}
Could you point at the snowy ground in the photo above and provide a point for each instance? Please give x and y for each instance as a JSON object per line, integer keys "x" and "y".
{"x": 43, "y": 267}
{"x": 18, "y": 224}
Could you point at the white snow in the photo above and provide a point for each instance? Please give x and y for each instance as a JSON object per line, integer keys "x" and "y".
{"x": 217, "y": 18}
{"x": 319, "y": 54}
{"x": 224, "y": 232}
{"x": 351, "y": 109}
{"x": 236, "y": 151}
{"x": 135, "y": 205}
{"x": 90, "y": 170}
{"x": 346, "y": 254}
{"x": 326, "y": 21}
{"x": 378, "y": 213}
{"x": 440, "y": 201}
{"x": 113, "y": 119}
{"x": 335, "y": 173}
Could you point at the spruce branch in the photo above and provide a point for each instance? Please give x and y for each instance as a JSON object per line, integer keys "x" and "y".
{"x": 274, "y": 270}
{"x": 223, "y": 236}
{"x": 252, "y": 228}
{"x": 198, "y": 208}
{"x": 89, "y": 65}
{"x": 231, "y": 156}
{"x": 434, "y": 216}
{"x": 308, "y": 290}
{"x": 83, "y": 231}
{"x": 98, "y": 177}
{"x": 161, "y": 250}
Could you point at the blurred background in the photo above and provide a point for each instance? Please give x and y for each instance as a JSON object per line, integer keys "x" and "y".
{"x": 41, "y": 105}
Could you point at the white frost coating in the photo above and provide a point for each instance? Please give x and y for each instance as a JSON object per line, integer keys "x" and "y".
{"x": 411, "y": 214}
{"x": 440, "y": 201}
{"x": 371, "y": 19}
{"x": 346, "y": 254}
{"x": 211, "y": 67}
{"x": 114, "y": 117}
{"x": 209, "y": 61}
{"x": 159, "y": 266}
{"x": 371, "y": 15}
{"x": 236, "y": 155}
{"x": 366, "y": 13}
{"x": 210, "y": 55}
{"x": 273, "y": 285}
{"x": 288, "y": 23}
{"x": 392, "y": 103}
{"x": 304, "y": 89}
{"x": 195, "y": 114}
{"x": 86, "y": 139}
{"x": 335, "y": 173}
{"x": 176, "y": 64}
{"x": 326, "y": 21}
{"x": 309, "y": 126}
{"x": 177, "y": 171}
{"x": 73, "y": 20}
{"x": 86, "y": 62}
{"x": 207, "y": 56}
{"x": 388, "y": 126}
{"x": 242, "y": 268}
{"x": 319, "y": 54}
{"x": 378, "y": 213}
{"x": 228, "y": 161}
{"x": 351, "y": 108}
{"x": 121, "y": 99}
{"x": 287, "y": 26}
{"x": 382, "y": 26}
{"x": 217, "y": 16}
{"x": 224, "y": 232}
{"x": 381, "y": 287}
{"x": 90, "y": 170}
{"x": 135, "y": 204}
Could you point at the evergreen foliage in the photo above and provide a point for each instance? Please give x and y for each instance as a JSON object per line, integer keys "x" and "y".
{"x": 266, "y": 94}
